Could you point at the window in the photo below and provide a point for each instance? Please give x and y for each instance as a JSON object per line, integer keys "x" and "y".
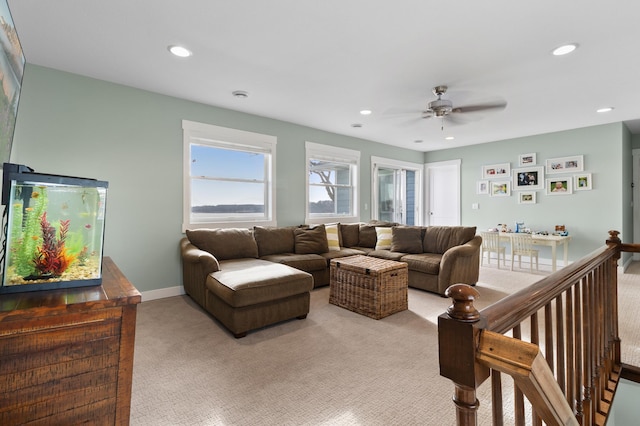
{"x": 332, "y": 184}
{"x": 228, "y": 177}
{"x": 397, "y": 191}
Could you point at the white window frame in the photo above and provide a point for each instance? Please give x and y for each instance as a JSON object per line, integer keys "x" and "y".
{"x": 342, "y": 155}
{"x": 227, "y": 138}
{"x": 377, "y": 162}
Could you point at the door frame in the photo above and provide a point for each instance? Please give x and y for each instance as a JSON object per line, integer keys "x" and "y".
{"x": 635, "y": 153}
{"x": 427, "y": 195}
{"x": 396, "y": 164}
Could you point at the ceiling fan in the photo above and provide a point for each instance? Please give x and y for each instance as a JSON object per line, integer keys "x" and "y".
{"x": 443, "y": 108}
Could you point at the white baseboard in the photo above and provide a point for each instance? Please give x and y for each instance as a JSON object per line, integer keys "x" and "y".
{"x": 162, "y": 293}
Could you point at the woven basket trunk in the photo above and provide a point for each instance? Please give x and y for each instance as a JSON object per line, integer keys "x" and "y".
{"x": 369, "y": 286}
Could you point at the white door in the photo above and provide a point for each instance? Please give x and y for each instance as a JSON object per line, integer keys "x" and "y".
{"x": 443, "y": 186}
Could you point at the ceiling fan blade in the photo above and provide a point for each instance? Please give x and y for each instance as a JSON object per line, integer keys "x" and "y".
{"x": 457, "y": 119}
{"x": 480, "y": 108}
{"x": 410, "y": 122}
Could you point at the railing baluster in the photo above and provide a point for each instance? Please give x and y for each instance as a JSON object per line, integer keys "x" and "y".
{"x": 560, "y": 321}
{"x": 496, "y": 398}
{"x": 518, "y": 399}
{"x": 548, "y": 335}
{"x": 569, "y": 348}
{"x": 579, "y": 381}
{"x": 535, "y": 339}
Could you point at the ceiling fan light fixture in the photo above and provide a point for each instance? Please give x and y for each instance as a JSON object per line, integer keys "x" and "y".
{"x": 179, "y": 51}
{"x": 564, "y": 49}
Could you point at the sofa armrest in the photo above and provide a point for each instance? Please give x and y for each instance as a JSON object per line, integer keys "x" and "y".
{"x": 460, "y": 264}
{"x": 196, "y": 266}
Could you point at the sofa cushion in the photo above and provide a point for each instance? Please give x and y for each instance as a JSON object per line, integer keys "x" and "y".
{"x": 304, "y": 262}
{"x": 386, "y": 254}
{"x": 427, "y": 263}
{"x": 406, "y": 239}
{"x": 349, "y": 234}
{"x": 273, "y": 240}
{"x": 383, "y": 238}
{"x": 438, "y": 239}
{"x": 312, "y": 240}
{"x": 227, "y": 243}
{"x": 244, "y": 282}
{"x": 344, "y": 252}
{"x": 333, "y": 236}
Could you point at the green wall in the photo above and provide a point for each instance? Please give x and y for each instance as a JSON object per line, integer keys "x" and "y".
{"x": 74, "y": 125}
{"x": 588, "y": 215}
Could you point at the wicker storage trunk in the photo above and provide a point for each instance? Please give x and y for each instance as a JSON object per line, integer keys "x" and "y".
{"x": 369, "y": 286}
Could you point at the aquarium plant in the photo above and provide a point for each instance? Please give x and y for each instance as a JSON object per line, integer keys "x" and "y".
{"x": 52, "y": 258}
{"x": 27, "y": 231}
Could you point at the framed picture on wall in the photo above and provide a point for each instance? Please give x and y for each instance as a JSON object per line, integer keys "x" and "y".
{"x": 559, "y": 185}
{"x": 528, "y": 178}
{"x": 496, "y": 171}
{"x": 500, "y": 188}
{"x": 482, "y": 187}
{"x": 525, "y": 160}
{"x": 527, "y": 197}
{"x": 565, "y": 164}
{"x": 582, "y": 182}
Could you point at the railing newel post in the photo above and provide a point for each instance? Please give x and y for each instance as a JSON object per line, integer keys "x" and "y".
{"x": 458, "y": 336}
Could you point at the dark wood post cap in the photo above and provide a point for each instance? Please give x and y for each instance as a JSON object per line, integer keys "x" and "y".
{"x": 463, "y": 296}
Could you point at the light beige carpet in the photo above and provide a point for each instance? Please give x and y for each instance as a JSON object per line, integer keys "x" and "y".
{"x": 334, "y": 368}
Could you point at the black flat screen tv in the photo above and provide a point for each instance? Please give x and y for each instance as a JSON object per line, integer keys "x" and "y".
{"x": 11, "y": 71}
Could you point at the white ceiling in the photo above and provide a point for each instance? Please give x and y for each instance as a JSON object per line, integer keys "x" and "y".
{"x": 318, "y": 63}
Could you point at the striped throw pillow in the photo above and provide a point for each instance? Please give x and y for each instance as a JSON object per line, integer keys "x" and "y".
{"x": 384, "y": 236}
{"x": 332, "y": 237}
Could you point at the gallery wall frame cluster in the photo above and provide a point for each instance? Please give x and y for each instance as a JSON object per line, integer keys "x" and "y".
{"x": 557, "y": 176}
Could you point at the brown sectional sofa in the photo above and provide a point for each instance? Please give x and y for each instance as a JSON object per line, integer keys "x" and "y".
{"x": 248, "y": 279}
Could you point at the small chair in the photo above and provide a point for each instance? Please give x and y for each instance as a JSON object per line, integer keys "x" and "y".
{"x": 491, "y": 244}
{"x": 522, "y": 244}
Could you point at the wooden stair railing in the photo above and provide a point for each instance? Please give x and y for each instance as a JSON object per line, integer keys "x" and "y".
{"x": 571, "y": 316}
{"x": 525, "y": 363}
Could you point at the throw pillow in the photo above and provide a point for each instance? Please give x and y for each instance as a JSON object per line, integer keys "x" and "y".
{"x": 310, "y": 241}
{"x": 332, "y": 237}
{"x": 383, "y": 241}
{"x": 349, "y": 234}
{"x": 273, "y": 240}
{"x": 229, "y": 243}
{"x": 367, "y": 237}
{"x": 406, "y": 239}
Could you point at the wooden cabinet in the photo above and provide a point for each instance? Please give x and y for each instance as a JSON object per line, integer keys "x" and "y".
{"x": 66, "y": 356}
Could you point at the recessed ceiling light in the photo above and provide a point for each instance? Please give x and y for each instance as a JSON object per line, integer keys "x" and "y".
{"x": 565, "y": 49}
{"x": 449, "y": 138}
{"x": 366, "y": 112}
{"x": 605, "y": 109}
{"x": 240, "y": 94}
{"x": 356, "y": 125}
{"x": 180, "y": 51}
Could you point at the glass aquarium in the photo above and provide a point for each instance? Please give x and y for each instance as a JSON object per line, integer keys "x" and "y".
{"x": 53, "y": 229}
